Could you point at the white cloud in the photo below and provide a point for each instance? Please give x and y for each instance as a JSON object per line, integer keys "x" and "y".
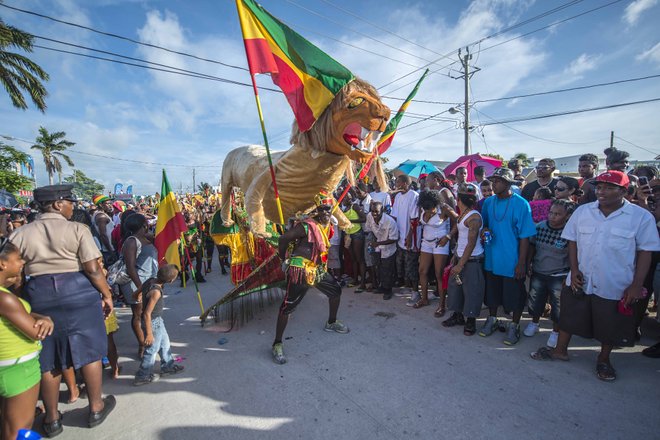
{"x": 653, "y": 55}
{"x": 582, "y": 64}
{"x": 634, "y": 10}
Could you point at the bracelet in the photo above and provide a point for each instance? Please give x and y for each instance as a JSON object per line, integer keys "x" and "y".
{"x": 448, "y": 236}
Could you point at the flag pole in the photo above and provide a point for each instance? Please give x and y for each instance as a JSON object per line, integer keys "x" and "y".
{"x": 261, "y": 121}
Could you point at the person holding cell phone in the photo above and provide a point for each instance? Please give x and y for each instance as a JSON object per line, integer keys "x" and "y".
{"x": 610, "y": 242}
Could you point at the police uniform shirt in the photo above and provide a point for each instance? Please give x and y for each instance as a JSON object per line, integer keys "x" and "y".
{"x": 52, "y": 244}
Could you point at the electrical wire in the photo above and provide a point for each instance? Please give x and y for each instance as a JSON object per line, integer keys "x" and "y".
{"x": 398, "y": 147}
{"x": 121, "y": 37}
{"x": 531, "y": 135}
{"x": 569, "y": 112}
{"x": 635, "y": 145}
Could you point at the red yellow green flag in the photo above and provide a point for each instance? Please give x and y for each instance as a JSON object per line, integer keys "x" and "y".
{"x": 309, "y": 78}
{"x": 388, "y": 135}
{"x": 169, "y": 226}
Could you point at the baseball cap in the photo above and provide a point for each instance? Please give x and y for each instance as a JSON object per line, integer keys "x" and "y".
{"x": 503, "y": 173}
{"x": 614, "y": 177}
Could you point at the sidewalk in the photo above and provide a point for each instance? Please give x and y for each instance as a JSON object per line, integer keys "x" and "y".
{"x": 397, "y": 375}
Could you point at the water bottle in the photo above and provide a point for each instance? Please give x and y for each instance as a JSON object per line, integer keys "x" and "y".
{"x": 370, "y": 249}
{"x": 488, "y": 237}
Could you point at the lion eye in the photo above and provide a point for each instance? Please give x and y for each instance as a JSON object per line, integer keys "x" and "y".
{"x": 354, "y": 103}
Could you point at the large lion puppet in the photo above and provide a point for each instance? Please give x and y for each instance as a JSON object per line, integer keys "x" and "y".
{"x": 318, "y": 159}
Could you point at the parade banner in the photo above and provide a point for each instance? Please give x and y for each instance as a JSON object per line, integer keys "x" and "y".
{"x": 169, "y": 226}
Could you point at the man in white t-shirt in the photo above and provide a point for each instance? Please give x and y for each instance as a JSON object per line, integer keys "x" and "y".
{"x": 610, "y": 242}
{"x": 404, "y": 210}
{"x": 383, "y": 247}
{"x": 379, "y": 196}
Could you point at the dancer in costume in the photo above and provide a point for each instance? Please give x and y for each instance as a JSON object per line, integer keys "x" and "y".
{"x": 306, "y": 267}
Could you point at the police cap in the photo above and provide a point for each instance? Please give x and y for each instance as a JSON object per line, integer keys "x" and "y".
{"x": 53, "y": 193}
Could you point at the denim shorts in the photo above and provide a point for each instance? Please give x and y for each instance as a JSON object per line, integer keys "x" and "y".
{"x": 544, "y": 288}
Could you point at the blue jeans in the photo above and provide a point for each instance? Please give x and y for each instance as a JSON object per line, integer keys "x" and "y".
{"x": 541, "y": 289}
{"x": 161, "y": 345}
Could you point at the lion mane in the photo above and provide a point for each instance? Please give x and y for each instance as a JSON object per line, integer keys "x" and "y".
{"x": 317, "y": 160}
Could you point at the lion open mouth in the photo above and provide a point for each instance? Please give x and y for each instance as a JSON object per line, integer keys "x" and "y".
{"x": 360, "y": 138}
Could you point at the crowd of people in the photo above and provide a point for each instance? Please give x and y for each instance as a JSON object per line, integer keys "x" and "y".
{"x": 57, "y": 299}
{"x": 581, "y": 252}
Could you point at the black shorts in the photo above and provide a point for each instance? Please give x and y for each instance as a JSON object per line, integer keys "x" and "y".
{"x": 507, "y": 292}
{"x": 593, "y": 317}
{"x": 295, "y": 292}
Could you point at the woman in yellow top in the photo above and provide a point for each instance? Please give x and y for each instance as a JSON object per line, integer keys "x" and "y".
{"x": 355, "y": 213}
{"x": 20, "y": 333}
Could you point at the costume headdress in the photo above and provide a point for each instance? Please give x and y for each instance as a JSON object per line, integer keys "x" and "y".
{"x": 324, "y": 199}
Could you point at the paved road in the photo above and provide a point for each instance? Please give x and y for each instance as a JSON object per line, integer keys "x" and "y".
{"x": 397, "y": 375}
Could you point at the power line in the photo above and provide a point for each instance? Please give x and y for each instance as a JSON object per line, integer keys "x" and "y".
{"x": 590, "y": 86}
{"x": 569, "y": 112}
{"x": 202, "y": 76}
{"x": 121, "y": 37}
{"x": 398, "y": 147}
{"x": 498, "y": 44}
{"x": 12, "y": 138}
{"x": 354, "y": 31}
{"x": 531, "y": 135}
{"x": 635, "y": 145}
{"x": 383, "y": 29}
{"x": 553, "y": 24}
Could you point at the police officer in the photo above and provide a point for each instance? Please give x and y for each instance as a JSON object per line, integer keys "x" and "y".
{"x": 67, "y": 283}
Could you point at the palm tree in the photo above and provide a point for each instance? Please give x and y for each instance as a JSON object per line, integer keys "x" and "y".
{"x": 52, "y": 146}
{"x": 18, "y": 74}
{"x": 204, "y": 188}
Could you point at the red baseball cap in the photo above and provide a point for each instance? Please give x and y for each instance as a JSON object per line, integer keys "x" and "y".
{"x": 614, "y": 177}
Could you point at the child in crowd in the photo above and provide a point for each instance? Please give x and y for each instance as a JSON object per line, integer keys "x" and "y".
{"x": 548, "y": 256}
{"x": 541, "y": 204}
{"x": 156, "y": 339}
{"x": 486, "y": 187}
{"x": 111, "y": 326}
{"x": 20, "y": 336}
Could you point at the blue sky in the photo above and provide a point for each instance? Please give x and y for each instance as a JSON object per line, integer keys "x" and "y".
{"x": 145, "y": 115}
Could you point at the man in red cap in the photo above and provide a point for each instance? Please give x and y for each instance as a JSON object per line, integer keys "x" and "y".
{"x": 596, "y": 300}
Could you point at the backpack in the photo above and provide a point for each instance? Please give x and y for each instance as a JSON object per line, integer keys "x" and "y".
{"x": 117, "y": 273}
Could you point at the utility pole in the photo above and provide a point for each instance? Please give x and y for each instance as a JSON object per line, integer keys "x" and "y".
{"x": 611, "y": 138}
{"x": 465, "y": 62}
{"x": 193, "y": 191}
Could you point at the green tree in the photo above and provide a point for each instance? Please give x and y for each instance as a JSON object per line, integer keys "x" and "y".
{"x": 84, "y": 187}
{"x": 9, "y": 177}
{"x": 52, "y": 146}
{"x": 493, "y": 155}
{"x": 523, "y": 159}
{"x": 204, "y": 187}
{"x": 18, "y": 74}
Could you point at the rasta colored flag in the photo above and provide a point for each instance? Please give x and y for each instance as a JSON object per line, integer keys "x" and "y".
{"x": 309, "y": 78}
{"x": 388, "y": 135}
{"x": 169, "y": 226}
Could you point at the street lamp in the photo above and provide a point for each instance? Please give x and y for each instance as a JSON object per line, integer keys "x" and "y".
{"x": 466, "y": 127}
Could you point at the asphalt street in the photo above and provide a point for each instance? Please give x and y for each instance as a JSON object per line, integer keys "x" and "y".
{"x": 398, "y": 374}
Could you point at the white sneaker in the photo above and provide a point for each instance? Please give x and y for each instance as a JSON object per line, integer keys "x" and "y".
{"x": 552, "y": 339}
{"x": 531, "y": 329}
{"x": 403, "y": 292}
{"x": 413, "y": 299}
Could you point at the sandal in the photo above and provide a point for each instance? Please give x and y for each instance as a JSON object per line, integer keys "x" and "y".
{"x": 605, "y": 371}
{"x": 440, "y": 311}
{"x": 546, "y": 354}
{"x": 359, "y": 290}
{"x": 421, "y": 303}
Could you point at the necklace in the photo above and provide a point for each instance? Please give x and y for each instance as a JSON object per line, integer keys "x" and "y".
{"x": 496, "y": 204}
{"x": 462, "y": 216}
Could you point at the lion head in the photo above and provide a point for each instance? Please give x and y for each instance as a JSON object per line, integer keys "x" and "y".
{"x": 350, "y": 126}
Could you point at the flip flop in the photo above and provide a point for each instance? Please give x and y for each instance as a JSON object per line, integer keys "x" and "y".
{"x": 419, "y": 304}
{"x": 545, "y": 354}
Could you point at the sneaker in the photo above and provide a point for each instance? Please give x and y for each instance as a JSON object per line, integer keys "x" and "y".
{"x": 552, "y": 339}
{"x": 278, "y": 354}
{"x": 455, "y": 319}
{"x": 512, "y": 334}
{"x": 146, "y": 380}
{"x": 336, "y": 326}
{"x": 174, "y": 369}
{"x": 490, "y": 326}
{"x": 531, "y": 329}
{"x": 403, "y": 292}
{"x": 413, "y": 299}
{"x": 387, "y": 296}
